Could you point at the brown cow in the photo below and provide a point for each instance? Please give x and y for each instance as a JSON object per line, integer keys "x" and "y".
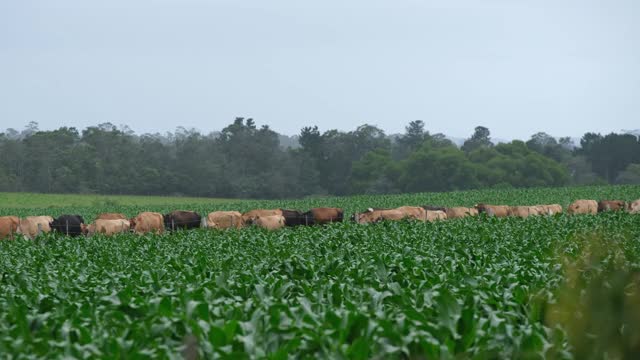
{"x": 611, "y": 205}
{"x": 32, "y": 226}
{"x": 111, "y": 216}
{"x": 224, "y": 220}
{"x": 147, "y": 222}
{"x": 634, "y": 207}
{"x": 269, "y": 222}
{"x": 252, "y": 214}
{"x": 323, "y": 215}
{"x": 433, "y": 215}
{"x": 524, "y": 211}
{"x": 107, "y": 227}
{"x": 493, "y": 210}
{"x": 460, "y": 212}
{"x": 414, "y": 212}
{"x": 550, "y": 209}
{"x": 8, "y": 226}
{"x": 375, "y": 215}
{"x": 583, "y": 207}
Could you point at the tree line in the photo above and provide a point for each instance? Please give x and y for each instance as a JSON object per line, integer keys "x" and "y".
{"x": 247, "y": 161}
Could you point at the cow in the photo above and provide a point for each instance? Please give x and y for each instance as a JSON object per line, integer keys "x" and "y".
{"x": 433, "y": 215}
{"x": 8, "y": 226}
{"x": 111, "y": 216}
{"x": 107, "y": 227}
{"x": 224, "y": 220}
{"x": 372, "y": 215}
{"x": 375, "y": 215}
{"x": 32, "y": 226}
{"x": 549, "y": 209}
{"x": 414, "y": 212}
{"x": 323, "y": 215}
{"x": 493, "y": 210}
{"x": 633, "y": 207}
{"x": 147, "y": 222}
{"x": 583, "y": 207}
{"x": 611, "y": 205}
{"x": 460, "y": 212}
{"x": 252, "y": 214}
{"x": 292, "y": 217}
{"x": 269, "y": 222}
{"x": 70, "y": 225}
{"x": 524, "y": 211}
{"x": 181, "y": 219}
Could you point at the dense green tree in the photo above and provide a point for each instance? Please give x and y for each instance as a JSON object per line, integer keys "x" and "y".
{"x": 411, "y": 140}
{"x": 631, "y": 175}
{"x": 247, "y": 160}
{"x": 480, "y": 138}
{"x": 375, "y": 173}
{"x": 437, "y": 168}
{"x": 610, "y": 154}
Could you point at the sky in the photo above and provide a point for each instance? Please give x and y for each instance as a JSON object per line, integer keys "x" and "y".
{"x": 515, "y": 66}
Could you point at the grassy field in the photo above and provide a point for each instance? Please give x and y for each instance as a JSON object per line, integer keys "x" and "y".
{"x": 545, "y": 287}
{"x": 22, "y": 204}
{"x": 31, "y": 200}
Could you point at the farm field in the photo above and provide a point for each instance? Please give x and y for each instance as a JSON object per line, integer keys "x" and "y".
{"x": 466, "y": 288}
{"x": 31, "y": 200}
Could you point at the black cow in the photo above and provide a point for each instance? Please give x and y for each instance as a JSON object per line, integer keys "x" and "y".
{"x": 292, "y": 217}
{"x": 68, "y": 224}
{"x": 181, "y": 220}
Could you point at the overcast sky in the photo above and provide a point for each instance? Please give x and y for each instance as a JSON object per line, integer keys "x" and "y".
{"x": 514, "y": 66}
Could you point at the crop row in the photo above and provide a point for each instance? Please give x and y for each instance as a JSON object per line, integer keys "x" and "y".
{"x": 471, "y": 287}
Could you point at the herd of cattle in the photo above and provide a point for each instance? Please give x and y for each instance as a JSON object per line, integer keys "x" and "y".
{"x": 145, "y": 222}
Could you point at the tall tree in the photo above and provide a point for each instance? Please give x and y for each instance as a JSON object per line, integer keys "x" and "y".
{"x": 480, "y": 138}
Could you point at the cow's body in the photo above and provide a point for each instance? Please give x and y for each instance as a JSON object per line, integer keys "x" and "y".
{"x": 524, "y": 211}
{"x": 181, "y": 219}
{"x": 32, "y": 226}
{"x": 611, "y": 205}
{"x": 493, "y": 210}
{"x": 634, "y": 207}
{"x": 583, "y": 207}
{"x": 269, "y": 222}
{"x": 324, "y": 215}
{"x": 291, "y": 217}
{"x": 550, "y": 209}
{"x": 8, "y": 226}
{"x": 147, "y": 222}
{"x": 108, "y": 227}
{"x": 460, "y": 212}
{"x": 224, "y": 220}
{"x": 68, "y": 224}
{"x": 376, "y": 215}
{"x": 414, "y": 212}
{"x": 434, "y": 215}
{"x": 252, "y": 214}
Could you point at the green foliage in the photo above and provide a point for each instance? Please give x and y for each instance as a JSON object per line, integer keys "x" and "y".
{"x": 245, "y": 160}
{"x": 631, "y": 175}
{"x": 467, "y": 288}
{"x": 438, "y": 169}
{"x": 610, "y": 154}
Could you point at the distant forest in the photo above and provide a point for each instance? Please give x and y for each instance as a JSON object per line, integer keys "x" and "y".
{"x": 247, "y": 161}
